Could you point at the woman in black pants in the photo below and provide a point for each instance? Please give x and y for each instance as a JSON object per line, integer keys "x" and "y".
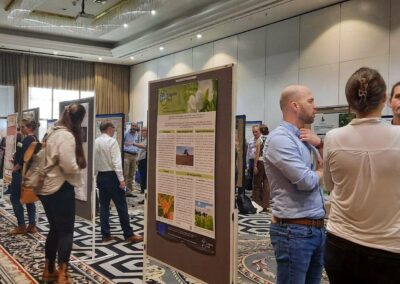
{"x": 64, "y": 161}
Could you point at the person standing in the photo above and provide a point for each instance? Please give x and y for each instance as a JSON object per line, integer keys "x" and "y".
{"x": 260, "y": 193}
{"x": 130, "y": 155}
{"x": 297, "y": 230}
{"x": 251, "y": 149}
{"x": 111, "y": 183}
{"x": 27, "y": 129}
{"x": 362, "y": 174}
{"x": 394, "y": 103}
{"x": 64, "y": 161}
{"x": 142, "y": 159}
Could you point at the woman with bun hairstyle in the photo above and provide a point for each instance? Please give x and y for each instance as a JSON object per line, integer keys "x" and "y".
{"x": 361, "y": 170}
{"x": 28, "y": 129}
{"x": 64, "y": 161}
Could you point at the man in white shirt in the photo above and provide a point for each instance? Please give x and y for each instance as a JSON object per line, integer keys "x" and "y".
{"x": 111, "y": 183}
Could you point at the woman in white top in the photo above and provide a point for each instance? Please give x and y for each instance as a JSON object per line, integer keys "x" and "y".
{"x": 64, "y": 161}
{"x": 362, "y": 172}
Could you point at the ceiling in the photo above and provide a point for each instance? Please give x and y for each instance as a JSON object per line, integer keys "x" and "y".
{"x": 132, "y": 31}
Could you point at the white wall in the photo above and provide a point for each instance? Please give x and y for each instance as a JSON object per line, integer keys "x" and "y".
{"x": 319, "y": 49}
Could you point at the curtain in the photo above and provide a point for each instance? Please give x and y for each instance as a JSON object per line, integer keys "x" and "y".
{"x": 112, "y": 88}
{"x": 110, "y": 82}
{"x": 13, "y": 73}
{"x": 47, "y": 72}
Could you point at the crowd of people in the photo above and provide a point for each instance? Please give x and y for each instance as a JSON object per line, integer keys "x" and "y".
{"x": 64, "y": 160}
{"x": 290, "y": 167}
{"x": 357, "y": 164}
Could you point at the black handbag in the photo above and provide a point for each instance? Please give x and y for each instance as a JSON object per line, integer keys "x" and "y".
{"x": 244, "y": 204}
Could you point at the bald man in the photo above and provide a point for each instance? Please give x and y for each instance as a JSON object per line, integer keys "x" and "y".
{"x": 297, "y": 230}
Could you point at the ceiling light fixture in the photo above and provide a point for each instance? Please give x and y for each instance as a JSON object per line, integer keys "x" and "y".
{"x": 55, "y": 52}
{"x": 199, "y": 36}
{"x": 153, "y": 12}
{"x": 100, "y": 58}
{"x": 125, "y": 25}
{"x": 161, "y": 48}
{"x": 132, "y": 57}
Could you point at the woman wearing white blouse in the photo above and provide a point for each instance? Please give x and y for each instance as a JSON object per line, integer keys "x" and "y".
{"x": 361, "y": 170}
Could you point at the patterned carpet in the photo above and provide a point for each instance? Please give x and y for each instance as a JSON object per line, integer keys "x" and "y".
{"x": 121, "y": 262}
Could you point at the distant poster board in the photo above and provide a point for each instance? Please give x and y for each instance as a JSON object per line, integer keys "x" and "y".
{"x": 330, "y": 118}
{"x": 387, "y": 118}
{"x": 32, "y": 115}
{"x": 11, "y": 143}
{"x": 83, "y": 203}
{"x": 240, "y": 147}
{"x": 118, "y": 119}
{"x": 190, "y": 206}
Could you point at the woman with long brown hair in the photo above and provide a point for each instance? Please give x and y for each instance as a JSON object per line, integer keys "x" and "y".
{"x": 64, "y": 161}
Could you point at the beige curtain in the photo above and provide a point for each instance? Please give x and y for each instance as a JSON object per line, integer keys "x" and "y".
{"x": 13, "y": 73}
{"x": 112, "y": 88}
{"x": 47, "y": 72}
{"x": 110, "y": 82}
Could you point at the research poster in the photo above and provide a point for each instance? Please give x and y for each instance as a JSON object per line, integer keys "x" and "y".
{"x": 324, "y": 122}
{"x": 185, "y": 163}
{"x": 11, "y": 142}
{"x": 118, "y": 119}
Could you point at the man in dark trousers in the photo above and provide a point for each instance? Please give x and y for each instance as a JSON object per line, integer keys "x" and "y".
{"x": 111, "y": 183}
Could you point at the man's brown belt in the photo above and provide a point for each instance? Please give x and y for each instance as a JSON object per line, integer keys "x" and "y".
{"x": 318, "y": 223}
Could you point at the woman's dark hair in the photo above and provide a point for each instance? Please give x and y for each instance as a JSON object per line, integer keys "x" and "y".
{"x": 31, "y": 124}
{"x": 72, "y": 118}
{"x": 264, "y": 129}
{"x": 365, "y": 90}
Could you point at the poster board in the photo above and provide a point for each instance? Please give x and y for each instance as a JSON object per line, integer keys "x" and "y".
{"x": 240, "y": 144}
{"x": 32, "y": 114}
{"x": 387, "y": 118}
{"x": 11, "y": 144}
{"x": 329, "y": 118}
{"x": 82, "y": 194}
{"x": 175, "y": 239}
{"x": 118, "y": 119}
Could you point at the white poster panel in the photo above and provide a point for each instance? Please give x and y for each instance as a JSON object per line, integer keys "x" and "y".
{"x": 81, "y": 192}
{"x": 11, "y": 142}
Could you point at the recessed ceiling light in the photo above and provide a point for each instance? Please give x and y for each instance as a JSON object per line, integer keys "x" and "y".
{"x": 100, "y": 58}
{"x": 161, "y": 48}
{"x": 132, "y": 57}
{"x": 153, "y": 12}
{"x": 55, "y": 52}
{"x": 125, "y": 26}
{"x": 199, "y": 36}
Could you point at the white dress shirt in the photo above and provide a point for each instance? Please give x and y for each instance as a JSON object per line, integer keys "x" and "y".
{"x": 108, "y": 155}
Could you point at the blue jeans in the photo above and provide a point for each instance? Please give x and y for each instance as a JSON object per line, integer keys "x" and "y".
{"x": 108, "y": 185}
{"x": 299, "y": 253}
{"x": 16, "y": 204}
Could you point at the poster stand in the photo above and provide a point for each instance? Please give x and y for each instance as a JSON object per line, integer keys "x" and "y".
{"x": 181, "y": 130}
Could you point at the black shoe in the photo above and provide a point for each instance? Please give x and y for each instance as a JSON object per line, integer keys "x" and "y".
{"x": 130, "y": 195}
{"x": 141, "y": 202}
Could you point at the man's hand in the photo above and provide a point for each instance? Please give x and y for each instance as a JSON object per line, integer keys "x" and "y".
{"x": 306, "y": 135}
{"x": 122, "y": 184}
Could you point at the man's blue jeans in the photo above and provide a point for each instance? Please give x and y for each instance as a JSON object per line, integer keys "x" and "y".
{"x": 16, "y": 204}
{"x": 299, "y": 252}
